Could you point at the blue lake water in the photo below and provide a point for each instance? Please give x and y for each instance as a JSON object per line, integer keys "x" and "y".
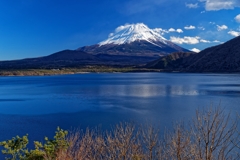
{"x": 37, "y": 105}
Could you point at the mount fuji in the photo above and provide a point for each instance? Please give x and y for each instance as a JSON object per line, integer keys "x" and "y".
{"x": 134, "y": 40}
{"x": 129, "y": 45}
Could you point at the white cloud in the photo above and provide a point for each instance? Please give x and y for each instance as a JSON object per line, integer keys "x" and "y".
{"x": 234, "y": 33}
{"x": 237, "y": 18}
{"x": 189, "y": 27}
{"x": 212, "y": 23}
{"x": 175, "y": 30}
{"x": 161, "y": 31}
{"x": 185, "y": 39}
{"x": 205, "y": 41}
{"x": 201, "y": 28}
{"x": 196, "y": 50}
{"x": 215, "y": 5}
{"x": 216, "y": 41}
{"x": 171, "y": 30}
{"x": 111, "y": 34}
{"x": 191, "y": 40}
{"x": 190, "y": 5}
{"x": 121, "y": 27}
{"x": 222, "y": 27}
{"x": 158, "y": 29}
{"x": 179, "y": 30}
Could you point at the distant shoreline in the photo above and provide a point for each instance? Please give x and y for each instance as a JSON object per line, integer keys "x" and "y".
{"x": 64, "y": 71}
{"x": 91, "y": 69}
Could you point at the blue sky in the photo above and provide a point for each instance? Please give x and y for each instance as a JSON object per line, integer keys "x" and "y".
{"x": 33, "y": 28}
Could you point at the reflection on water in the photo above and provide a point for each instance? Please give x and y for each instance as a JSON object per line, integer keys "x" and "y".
{"x": 148, "y": 90}
{"x": 37, "y": 105}
{"x": 73, "y": 93}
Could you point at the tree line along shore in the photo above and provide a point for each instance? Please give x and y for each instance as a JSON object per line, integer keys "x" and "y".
{"x": 92, "y": 69}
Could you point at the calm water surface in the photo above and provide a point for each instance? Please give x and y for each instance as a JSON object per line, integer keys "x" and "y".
{"x": 37, "y": 105}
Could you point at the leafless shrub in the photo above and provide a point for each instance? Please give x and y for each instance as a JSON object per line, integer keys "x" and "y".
{"x": 212, "y": 135}
{"x": 122, "y": 143}
{"x": 178, "y": 145}
{"x": 150, "y": 141}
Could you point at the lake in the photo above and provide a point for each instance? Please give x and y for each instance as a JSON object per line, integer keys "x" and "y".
{"x": 38, "y": 104}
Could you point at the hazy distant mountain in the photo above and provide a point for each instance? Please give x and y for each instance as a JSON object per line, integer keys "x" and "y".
{"x": 134, "y": 40}
{"x": 221, "y": 58}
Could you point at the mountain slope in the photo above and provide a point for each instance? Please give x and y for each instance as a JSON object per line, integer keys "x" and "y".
{"x": 221, "y": 58}
{"x": 66, "y": 58}
{"x": 69, "y": 55}
{"x": 134, "y": 32}
{"x": 171, "y": 61}
{"x": 73, "y": 58}
{"x": 134, "y": 40}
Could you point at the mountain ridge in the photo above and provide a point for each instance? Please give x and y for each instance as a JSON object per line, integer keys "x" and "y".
{"x": 221, "y": 58}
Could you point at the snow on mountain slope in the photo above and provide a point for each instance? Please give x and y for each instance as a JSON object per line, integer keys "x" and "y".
{"x": 134, "y": 32}
{"x": 134, "y": 40}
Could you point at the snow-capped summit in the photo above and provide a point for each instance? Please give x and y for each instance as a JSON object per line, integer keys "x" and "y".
{"x": 134, "y": 32}
{"x": 135, "y": 40}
